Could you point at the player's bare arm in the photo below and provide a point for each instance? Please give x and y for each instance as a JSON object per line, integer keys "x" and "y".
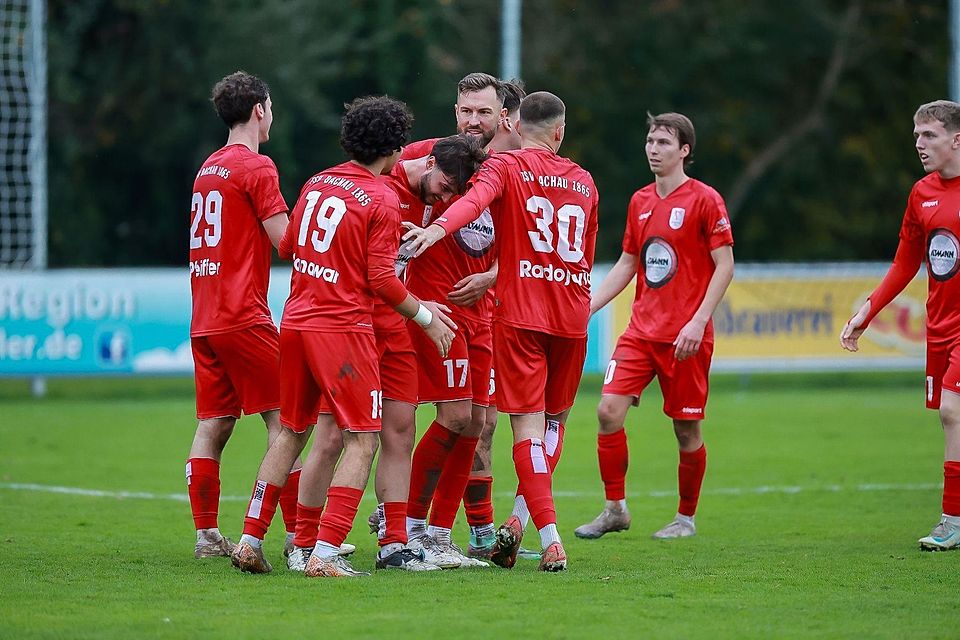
{"x": 434, "y": 322}
{"x": 473, "y": 287}
{"x": 691, "y": 335}
{"x": 615, "y": 281}
{"x": 275, "y": 226}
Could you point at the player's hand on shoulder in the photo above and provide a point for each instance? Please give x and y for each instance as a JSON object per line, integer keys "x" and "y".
{"x": 689, "y": 339}
{"x": 854, "y": 328}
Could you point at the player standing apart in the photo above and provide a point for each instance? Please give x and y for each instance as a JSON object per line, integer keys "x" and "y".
{"x": 545, "y": 210}
{"x": 237, "y": 211}
{"x": 930, "y": 229}
{"x": 343, "y": 242}
{"x": 678, "y": 243}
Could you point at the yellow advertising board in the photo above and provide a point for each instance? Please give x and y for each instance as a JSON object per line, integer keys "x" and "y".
{"x": 790, "y": 316}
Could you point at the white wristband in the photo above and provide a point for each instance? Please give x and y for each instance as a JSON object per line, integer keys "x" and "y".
{"x": 423, "y": 317}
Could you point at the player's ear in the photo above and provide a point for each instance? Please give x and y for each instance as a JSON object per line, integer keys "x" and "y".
{"x": 684, "y": 150}
{"x": 259, "y": 111}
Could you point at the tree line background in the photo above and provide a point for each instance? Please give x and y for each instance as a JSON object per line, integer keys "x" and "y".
{"x": 803, "y": 109}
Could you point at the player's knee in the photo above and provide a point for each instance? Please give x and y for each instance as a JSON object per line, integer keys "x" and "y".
{"x": 216, "y": 431}
{"x": 610, "y": 417}
{"x": 688, "y": 434}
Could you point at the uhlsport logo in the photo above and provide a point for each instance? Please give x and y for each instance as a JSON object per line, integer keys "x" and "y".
{"x": 943, "y": 254}
{"x": 659, "y": 262}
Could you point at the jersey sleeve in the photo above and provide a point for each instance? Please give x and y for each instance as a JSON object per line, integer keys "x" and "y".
{"x": 263, "y": 185}
{"x": 630, "y": 238}
{"x": 905, "y": 265}
{"x": 593, "y": 225}
{"x": 716, "y": 222}
{"x": 383, "y": 237}
{"x": 487, "y": 185}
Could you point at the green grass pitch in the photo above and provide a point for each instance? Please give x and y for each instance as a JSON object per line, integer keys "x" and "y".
{"x": 816, "y": 491}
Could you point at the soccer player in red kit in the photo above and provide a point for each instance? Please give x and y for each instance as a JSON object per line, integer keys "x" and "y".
{"x": 419, "y": 184}
{"x": 545, "y": 210}
{"x": 237, "y": 211}
{"x": 930, "y": 230}
{"x": 679, "y": 246}
{"x": 342, "y": 238}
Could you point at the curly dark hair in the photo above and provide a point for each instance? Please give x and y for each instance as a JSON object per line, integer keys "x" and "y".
{"x": 374, "y": 127}
{"x": 459, "y": 157}
{"x": 235, "y": 96}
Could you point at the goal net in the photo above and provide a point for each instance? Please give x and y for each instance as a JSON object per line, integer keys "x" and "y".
{"x": 23, "y": 140}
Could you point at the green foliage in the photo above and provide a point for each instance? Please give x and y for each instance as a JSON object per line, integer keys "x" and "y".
{"x": 130, "y": 119}
{"x": 834, "y": 559}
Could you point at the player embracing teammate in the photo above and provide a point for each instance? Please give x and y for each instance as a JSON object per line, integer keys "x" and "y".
{"x": 544, "y": 208}
{"x": 343, "y": 240}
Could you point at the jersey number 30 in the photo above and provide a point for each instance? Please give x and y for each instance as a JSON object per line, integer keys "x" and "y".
{"x": 569, "y": 249}
{"x": 329, "y": 215}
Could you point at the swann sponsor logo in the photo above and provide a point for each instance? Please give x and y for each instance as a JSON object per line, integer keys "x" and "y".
{"x": 553, "y": 274}
{"x": 943, "y": 254}
{"x": 696, "y": 410}
{"x": 203, "y": 268}
{"x": 930, "y": 203}
{"x": 643, "y": 216}
{"x": 315, "y": 270}
{"x": 659, "y": 262}
{"x": 476, "y": 238}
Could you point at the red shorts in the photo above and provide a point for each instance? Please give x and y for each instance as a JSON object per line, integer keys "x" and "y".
{"x": 685, "y": 385}
{"x": 536, "y": 371}
{"x": 398, "y": 366}
{"x": 237, "y": 372}
{"x": 465, "y": 373}
{"x": 336, "y": 370}
{"x": 943, "y": 371}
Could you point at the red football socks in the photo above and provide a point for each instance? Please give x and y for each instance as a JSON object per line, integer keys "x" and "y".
{"x": 393, "y": 527}
{"x": 477, "y": 502}
{"x": 951, "y": 488}
{"x": 342, "y": 505}
{"x": 262, "y": 506}
{"x": 203, "y": 487}
{"x": 614, "y": 459}
{"x": 533, "y": 473}
{"x": 308, "y": 523}
{"x": 425, "y": 469}
{"x": 693, "y": 464}
{"x": 288, "y": 501}
{"x": 553, "y": 442}
{"x": 453, "y": 482}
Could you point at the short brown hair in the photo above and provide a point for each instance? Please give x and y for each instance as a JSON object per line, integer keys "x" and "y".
{"x": 678, "y": 124}
{"x": 513, "y": 94}
{"x": 541, "y": 107}
{"x": 479, "y": 81}
{"x": 459, "y": 157}
{"x": 235, "y": 96}
{"x": 944, "y": 111}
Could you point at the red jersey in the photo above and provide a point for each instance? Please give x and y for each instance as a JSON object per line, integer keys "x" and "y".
{"x": 544, "y": 207}
{"x": 673, "y": 237}
{"x": 342, "y": 238}
{"x": 931, "y": 225}
{"x": 234, "y": 192}
{"x": 418, "y": 149}
{"x": 385, "y": 317}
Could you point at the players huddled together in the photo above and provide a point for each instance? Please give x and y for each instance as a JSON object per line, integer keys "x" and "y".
{"x": 455, "y": 271}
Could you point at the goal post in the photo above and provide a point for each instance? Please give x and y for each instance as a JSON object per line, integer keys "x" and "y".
{"x": 23, "y": 135}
